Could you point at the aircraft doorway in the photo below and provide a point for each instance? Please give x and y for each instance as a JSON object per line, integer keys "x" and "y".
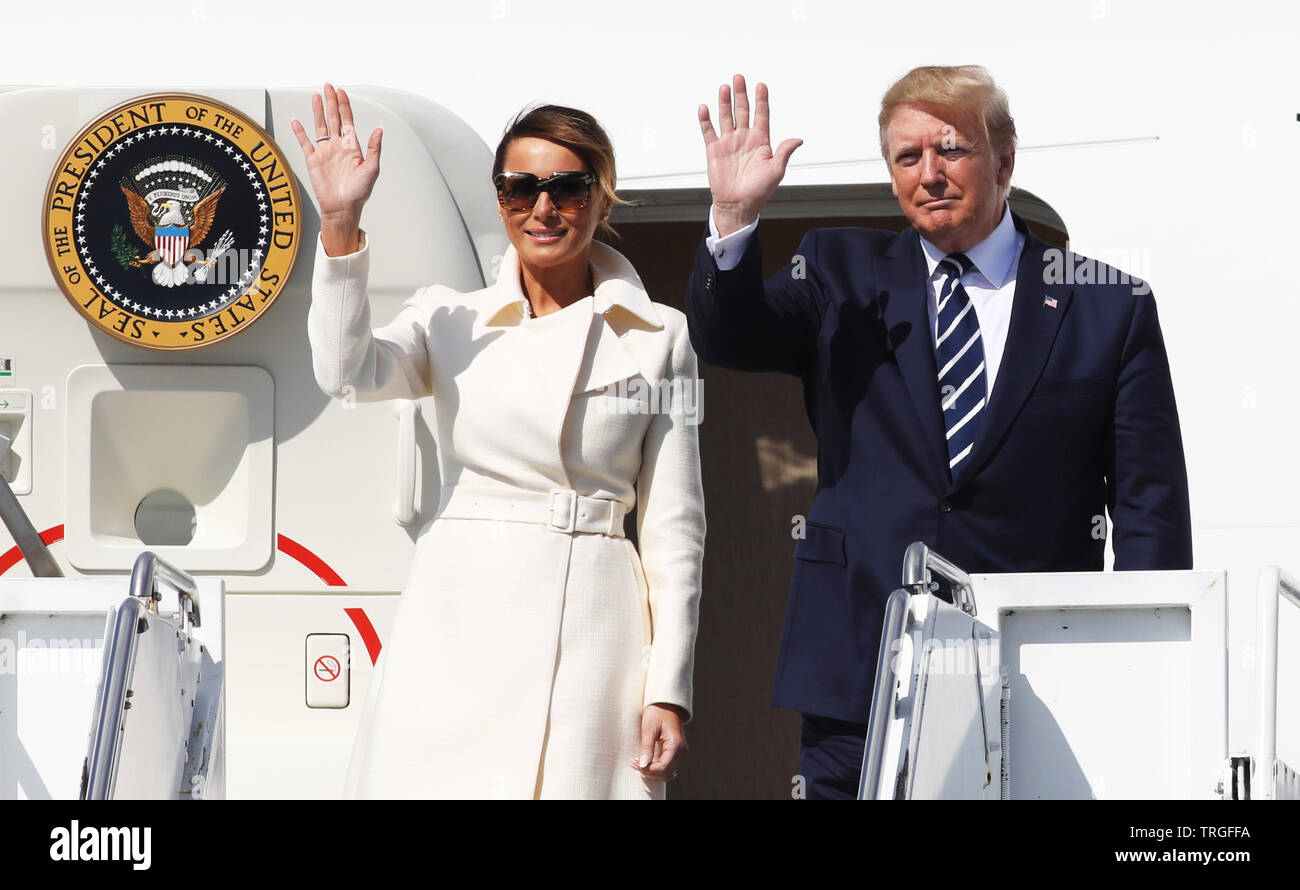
{"x": 758, "y": 457}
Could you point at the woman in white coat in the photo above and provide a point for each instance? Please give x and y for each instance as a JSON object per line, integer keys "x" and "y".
{"x": 535, "y": 652}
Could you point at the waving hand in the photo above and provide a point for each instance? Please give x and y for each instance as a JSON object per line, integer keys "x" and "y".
{"x": 341, "y": 176}
{"x": 743, "y": 170}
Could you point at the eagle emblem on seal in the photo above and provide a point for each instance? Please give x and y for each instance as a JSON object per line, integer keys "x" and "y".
{"x": 172, "y": 203}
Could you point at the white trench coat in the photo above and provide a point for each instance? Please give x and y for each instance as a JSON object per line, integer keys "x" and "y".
{"x": 522, "y": 654}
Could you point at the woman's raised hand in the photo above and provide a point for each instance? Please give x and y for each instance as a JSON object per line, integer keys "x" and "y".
{"x": 743, "y": 170}
{"x": 341, "y": 176}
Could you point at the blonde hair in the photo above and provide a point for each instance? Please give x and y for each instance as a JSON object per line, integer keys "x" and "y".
{"x": 577, "y": 131}
{"x": 963, "y": 87}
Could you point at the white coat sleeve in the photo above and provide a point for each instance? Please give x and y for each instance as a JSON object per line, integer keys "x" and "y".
{"x": 349, "y": 358}
{"x": 670, "y": 530}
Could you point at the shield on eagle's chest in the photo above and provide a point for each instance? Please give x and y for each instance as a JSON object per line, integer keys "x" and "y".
{"x": 171, "y": 242}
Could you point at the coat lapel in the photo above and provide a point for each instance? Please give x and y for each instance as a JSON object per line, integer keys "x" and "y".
{"x": 543, "y": 357}
{"x": 606, "y": 361}
{"x": 1032, "y": 331}
{"x": 627, "y": 337}
{"x": 623, "y": 311}
{"x": 901, "y": 281}
{"x": 604, "y": 338}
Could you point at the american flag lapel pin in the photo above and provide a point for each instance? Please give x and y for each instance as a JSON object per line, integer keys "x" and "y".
{"x": 1049, "y": 302}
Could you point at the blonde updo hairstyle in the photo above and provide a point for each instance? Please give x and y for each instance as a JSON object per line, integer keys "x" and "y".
{"x": 577, "y": 131}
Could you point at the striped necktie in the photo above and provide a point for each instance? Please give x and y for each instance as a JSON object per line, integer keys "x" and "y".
{"x": 959, "y": 355}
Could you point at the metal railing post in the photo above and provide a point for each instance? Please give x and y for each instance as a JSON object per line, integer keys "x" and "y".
{"x": 918, "y": 563}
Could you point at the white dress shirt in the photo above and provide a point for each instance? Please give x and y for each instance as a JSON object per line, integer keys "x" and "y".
{"x": 990, "y": 283}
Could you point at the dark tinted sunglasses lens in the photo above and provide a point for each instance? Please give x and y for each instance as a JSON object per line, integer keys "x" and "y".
{"x": 518, "y": 192}
{"x": 570, "y": 192}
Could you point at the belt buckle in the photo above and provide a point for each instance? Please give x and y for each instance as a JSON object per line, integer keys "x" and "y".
{"x": 569, "y": 505}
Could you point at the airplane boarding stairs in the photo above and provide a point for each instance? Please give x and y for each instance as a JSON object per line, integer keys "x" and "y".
{"x": 1078, "y": 685}
{"x": 104, "y": 694}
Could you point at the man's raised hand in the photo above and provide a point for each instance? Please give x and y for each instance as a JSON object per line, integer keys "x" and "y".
{"x": 743, "y": 170}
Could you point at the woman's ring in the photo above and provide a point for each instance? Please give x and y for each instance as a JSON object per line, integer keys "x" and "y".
{"x": 321, "y": 138}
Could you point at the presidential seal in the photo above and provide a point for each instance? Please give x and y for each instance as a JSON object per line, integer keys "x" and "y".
{"x": 172, "y": 222}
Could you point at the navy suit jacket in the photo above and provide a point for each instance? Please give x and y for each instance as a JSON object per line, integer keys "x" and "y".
{"x": 1081, "y": 420}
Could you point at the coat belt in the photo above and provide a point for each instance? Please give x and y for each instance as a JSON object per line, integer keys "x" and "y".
{"x": 560, "y": 510}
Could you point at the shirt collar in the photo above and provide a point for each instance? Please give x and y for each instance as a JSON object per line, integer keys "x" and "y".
{"x": 994, "y": 257}
{"x": 616, "y": 284}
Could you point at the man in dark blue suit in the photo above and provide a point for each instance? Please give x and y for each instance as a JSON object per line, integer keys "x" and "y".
{"x": 963, "y": 391}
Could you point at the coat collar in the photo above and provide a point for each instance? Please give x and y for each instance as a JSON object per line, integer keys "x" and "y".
{"x": 617, "y": 285}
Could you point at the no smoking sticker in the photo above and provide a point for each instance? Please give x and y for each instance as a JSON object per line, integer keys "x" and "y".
{"x": 327, "y": 668}
{"x": 327, "y": 671}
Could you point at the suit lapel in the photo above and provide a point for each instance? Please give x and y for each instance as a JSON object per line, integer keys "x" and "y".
{"x": 902, "y": 282}
{"x": 1032, "y": 331}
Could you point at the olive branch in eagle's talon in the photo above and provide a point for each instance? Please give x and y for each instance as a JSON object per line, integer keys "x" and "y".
{"x": 126, "y": 257}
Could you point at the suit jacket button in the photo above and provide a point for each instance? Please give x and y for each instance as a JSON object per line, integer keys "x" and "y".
{"x": 708, "y": 281}
{"x": 945, "y": 506}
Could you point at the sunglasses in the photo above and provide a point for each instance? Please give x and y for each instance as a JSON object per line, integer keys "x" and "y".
{"x": 569, "y": 191}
